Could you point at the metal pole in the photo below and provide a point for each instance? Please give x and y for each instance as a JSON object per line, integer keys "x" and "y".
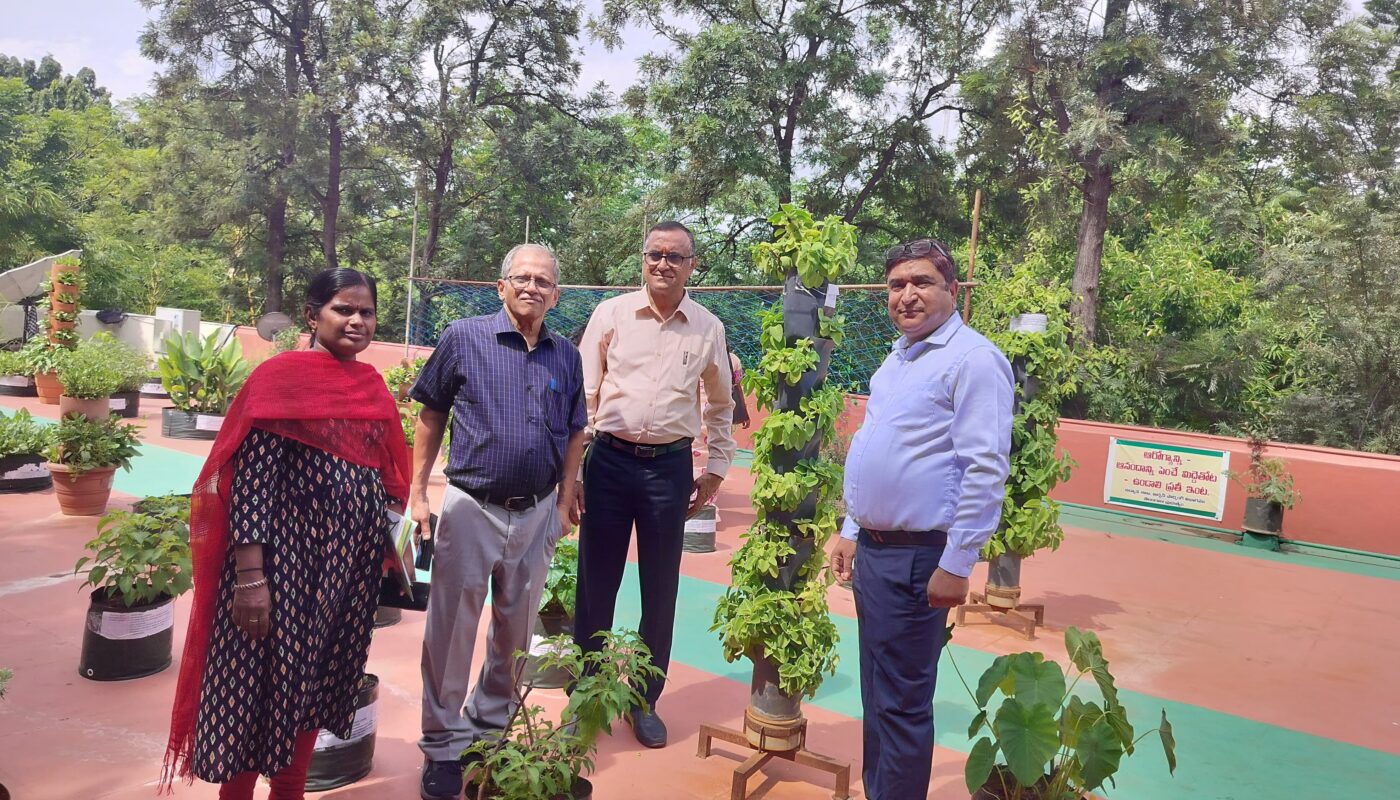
{"x": 527, "y": 229}
{"x": 412, "y": 256}
{"x": 972, "y": 254}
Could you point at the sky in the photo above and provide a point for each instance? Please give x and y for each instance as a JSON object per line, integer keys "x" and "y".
{"x": 102, "y": 34}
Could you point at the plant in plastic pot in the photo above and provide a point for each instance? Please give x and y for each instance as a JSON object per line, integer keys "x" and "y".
{"x": 132, "y": 367}
{"x": 16, "y": 376}
{"x": 536, "y": 758}
{"x": 1268, "y": 488}
{"x": 775, "y": 610}
{"x": 23, "y": 444}
{"x": 89, "y": 378}
{"x": 202, "y": 378}
{"x": 83, "y": 454}
{"x": 44, "y": 359}
{"x": 556, "y": 613}
{"x": 138, "y": 565}
{"x": 1043, "y": 741}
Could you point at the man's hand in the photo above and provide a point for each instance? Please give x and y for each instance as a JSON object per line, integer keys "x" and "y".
{"x": 843, "y": 558}
{"x": 946, "y": 590}
{"x": 418, "y": 504}
{"x": 704, "y": 490}
{"x": 578, "y": 500}
{"x": 568, "y": 507}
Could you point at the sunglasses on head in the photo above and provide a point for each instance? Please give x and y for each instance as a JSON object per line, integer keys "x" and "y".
{"x": 916, "y": 249}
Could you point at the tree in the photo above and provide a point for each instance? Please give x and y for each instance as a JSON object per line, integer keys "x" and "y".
{"x": 1149, "y": 80}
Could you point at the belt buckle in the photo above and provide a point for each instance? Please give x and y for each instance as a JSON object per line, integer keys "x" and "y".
{"x": 515, "y": 503}
{"x": 650, "y": 451}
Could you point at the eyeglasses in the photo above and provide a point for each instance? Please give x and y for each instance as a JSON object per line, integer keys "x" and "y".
{"x": 916, "y": 249}
{"x": 524, "y": 281}
{"x": 655, "y": 257}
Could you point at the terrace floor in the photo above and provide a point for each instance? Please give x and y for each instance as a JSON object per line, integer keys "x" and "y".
{"x": 1277, "y": 670}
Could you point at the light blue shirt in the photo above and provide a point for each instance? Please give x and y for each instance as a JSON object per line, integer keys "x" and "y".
{"x": 934, "y": 450}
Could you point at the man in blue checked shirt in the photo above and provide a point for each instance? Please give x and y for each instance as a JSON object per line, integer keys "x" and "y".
{"x": 515, "y": 390}
{"x": 925, "y": 478}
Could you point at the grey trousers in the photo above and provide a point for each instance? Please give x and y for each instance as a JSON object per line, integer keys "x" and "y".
{"x": 480, "y": 547}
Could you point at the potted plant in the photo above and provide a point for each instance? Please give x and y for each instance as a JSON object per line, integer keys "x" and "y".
{"x": 337, "y": 762}
{"x": 23, "y": 442}
{"x": 408, "y": 418}
{"x": 1043, "y": 364}
{"x": 1268, "y": 490}
{"x": 16, "y": 376}
{"x": 400, "y": 379}
{"x": 43, "y": 359}
{"x": 138, "y": 565}
{"x": 131, "y": 367}
{"x": 775, "y": 610}
{"x": 286, "y": 340}
{"x": 534, "y": 758}
{"x": 556, "y": 614}
{"x": 89, "y": 378}
{"x": 82, "y": 455}
{"x": 1044, "y": 742}
{"x": 202, "y": 378}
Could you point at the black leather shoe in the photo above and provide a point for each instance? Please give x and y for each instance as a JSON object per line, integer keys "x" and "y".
{"x": 647, "y": 727}
{"x": 442, "y": 780}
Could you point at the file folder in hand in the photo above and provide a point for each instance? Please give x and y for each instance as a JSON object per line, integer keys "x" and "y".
{"x": 408, "y": 560}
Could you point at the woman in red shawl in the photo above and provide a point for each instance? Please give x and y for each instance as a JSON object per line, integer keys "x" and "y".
{"x": 287, "y": 523}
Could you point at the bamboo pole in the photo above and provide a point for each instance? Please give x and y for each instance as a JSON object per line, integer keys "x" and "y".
{"x": 972, "y": 255}
{"x": 412, "y": 254}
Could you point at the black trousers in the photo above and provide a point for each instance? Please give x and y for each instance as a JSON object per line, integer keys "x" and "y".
{"x": 900, "y": 641}
{"x": 622, "y": 490}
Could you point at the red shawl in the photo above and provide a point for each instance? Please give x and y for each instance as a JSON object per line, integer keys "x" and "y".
{"x": 341, "y": 407}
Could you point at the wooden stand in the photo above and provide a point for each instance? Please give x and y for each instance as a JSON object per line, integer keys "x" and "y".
{"x": 739, "y": 789}
{"x": 1016, "y": 618}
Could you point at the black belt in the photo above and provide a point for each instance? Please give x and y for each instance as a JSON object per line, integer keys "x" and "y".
{"x": 521, "y": 503}
{"x": 642, "y": 450}
{"x": 906, "y": 538}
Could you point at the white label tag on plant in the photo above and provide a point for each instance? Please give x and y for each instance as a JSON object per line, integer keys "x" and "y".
{"x": 204, "y": 422}
{"x": 831, "y": 291}
{"x": 154, "y": 387}
{"x": 136, "y": 624}
{"x": 117, "y": 403}
{"x": 365, "y": 721}
{"x": 21, "y": 381}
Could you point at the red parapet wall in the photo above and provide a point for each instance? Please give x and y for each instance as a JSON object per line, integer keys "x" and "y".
{"x": 383, "y": 355}
{"x": 1346, "y": 498}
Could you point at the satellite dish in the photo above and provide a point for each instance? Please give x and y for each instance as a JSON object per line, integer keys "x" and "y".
{"x": 270, "y": 324}
{"x": 22, "y": 283}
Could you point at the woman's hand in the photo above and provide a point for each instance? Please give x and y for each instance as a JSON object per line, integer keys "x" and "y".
{"x": 252, "y": 611}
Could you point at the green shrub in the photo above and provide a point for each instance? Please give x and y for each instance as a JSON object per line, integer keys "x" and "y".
{"x": 131, "y": 365}
{"x": 22, "y": 435}
{"x": 138, "y": 558}
{"x": 88, "y": 373}
{"x": 42, "y": 356}
{"x": 81, "y": 444}
{"x": 286, "y": 339}
{"x": 562, "y": 580}
{"x": 14, "y": 363}
{"x": 201, "y": 376}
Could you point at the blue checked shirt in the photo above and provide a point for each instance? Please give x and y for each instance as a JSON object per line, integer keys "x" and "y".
{"x": 513, "y": 409}
{"x": 934, "y": 450}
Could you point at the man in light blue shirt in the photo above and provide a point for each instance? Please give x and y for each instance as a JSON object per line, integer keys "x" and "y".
{"x": 925, "y": 478}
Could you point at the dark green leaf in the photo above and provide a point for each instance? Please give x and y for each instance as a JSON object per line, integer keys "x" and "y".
{"x": 1098, "y": 753}
{"x": 979, "y": 764}
{"x": 1029, "y": 738}
{"x": 1168, "y": 742}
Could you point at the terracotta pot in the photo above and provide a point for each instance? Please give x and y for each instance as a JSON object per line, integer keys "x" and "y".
{"x": 61, "y": 269}
{"x": 60, "y": 325}
{"x": 83, "y": 496}
{"x": 70, "y": 308}
{"x": 48, "y": 387}
{"x": 95, "y": 409}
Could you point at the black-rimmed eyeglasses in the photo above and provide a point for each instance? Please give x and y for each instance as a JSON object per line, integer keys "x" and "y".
{"x": 654, "y": 257}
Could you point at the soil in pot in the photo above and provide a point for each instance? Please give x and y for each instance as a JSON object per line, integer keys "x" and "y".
{"x": 24, "y": 473}
{"x": 339, "y": 762}
{"x": 121, "y": 643}
{"x": 177, "y": 424}
{"x": 17, "y": 386}
{"x": 48, "y": 387}
{"x": 83, "y": 496}
{"x": 95, "y": 409}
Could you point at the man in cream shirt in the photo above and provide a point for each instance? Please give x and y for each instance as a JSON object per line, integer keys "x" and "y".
{"x": 645, "y": 355}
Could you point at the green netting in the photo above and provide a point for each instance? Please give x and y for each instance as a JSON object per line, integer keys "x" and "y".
{"x": 868, "y": 329}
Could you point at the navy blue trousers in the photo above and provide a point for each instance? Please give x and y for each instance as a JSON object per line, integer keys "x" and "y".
{"x": 900, "y": 640}
{"x": 622, "y": 490}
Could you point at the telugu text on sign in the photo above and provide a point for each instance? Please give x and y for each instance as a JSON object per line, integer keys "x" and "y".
{"x": 1170, "y": 478}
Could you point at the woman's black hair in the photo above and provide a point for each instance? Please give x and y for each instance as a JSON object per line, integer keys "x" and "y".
{"x": 327, "y": 283}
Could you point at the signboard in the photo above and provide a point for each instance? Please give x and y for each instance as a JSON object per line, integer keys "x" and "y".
{"x": 1166, "y": 477}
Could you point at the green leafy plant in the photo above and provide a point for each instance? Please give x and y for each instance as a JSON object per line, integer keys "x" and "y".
{"x": 66, "y": 297}
{"x": 287, "y": 339}
{"x": 1267, "y": 478}
{"x": 408, "y": 418}
{"x": 561, "y": 582}
{"x": 775, "y": 607}
{"x": 14, "y": 363}
{"x": 1030, "y": 520}
{"x": 64, "y": 316}
{"x": 43, "y": 356}
{"x": 165, "y": 505}
{"x": 81, "y": 444}
{"x": 88, "y": 372}
{"x": 139, "y": 558}
{"x": 534, "y": 757}
{"x": 22, "y": 435}
{"x": 201, "y": 376}
{"x": 1044, "y": 742}
{"x": 67, "y": 339}
{"x": 130, "y": 365}
{"x": 5, "y": 676}
{"x": 400, "y": 379}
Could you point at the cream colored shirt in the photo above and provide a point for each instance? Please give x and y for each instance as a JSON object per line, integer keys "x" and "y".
{"x": 642, "y": 374}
